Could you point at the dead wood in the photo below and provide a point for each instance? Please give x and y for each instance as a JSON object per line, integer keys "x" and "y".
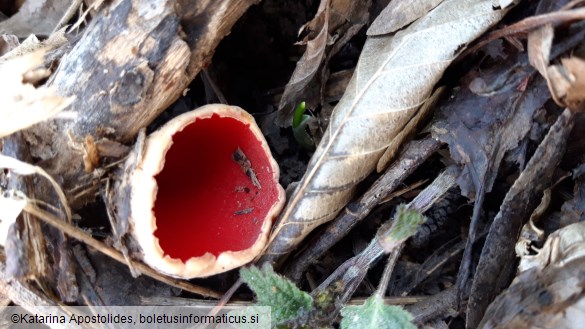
{"x": 497, "y": 262}
{"x": 439, "y": 305}
{"x": 26, "y": 296}
{"x": 31, "y": 252}
{"x": 133, "y": 61}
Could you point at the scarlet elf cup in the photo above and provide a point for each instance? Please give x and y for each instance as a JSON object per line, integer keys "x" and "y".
{"x": 204, "y": 193}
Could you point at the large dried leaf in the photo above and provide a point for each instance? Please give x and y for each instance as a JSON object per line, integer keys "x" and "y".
{"x": 483, "y": 122}
{"x": 394, "y": 75}
{"x": 398, "y": 14}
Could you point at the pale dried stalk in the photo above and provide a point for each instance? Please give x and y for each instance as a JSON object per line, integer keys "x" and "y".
{"x": 82, "y": 236}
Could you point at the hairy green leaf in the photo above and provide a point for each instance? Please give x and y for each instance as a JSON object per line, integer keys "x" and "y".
{"x": 374, "y": 314}
{"x": 405, "y": 224}
{"x": 287, "y": 301}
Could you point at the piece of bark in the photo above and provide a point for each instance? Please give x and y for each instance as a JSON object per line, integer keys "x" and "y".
{"x": 26, "y": 296}
{"x": 497, "y": 262}
{"x": 439, "y": 305}
{"x": 28, "y": 246}
{"x": 133, "y": 61}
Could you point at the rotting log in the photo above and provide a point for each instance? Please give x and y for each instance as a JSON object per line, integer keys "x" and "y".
{"x": 134, "y": 60}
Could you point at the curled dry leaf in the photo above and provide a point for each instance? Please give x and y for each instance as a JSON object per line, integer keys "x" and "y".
{"x": 565, "y": 81}
{"x": 548, "y": 292}
{"x": 568, "y": 81}
{"x": 561, "y": 247}
{"x": 307, "y": 67}
{"x": 394, "y": 76}
{"x": 23, "y": 104}
{"x": 340, "y": 18}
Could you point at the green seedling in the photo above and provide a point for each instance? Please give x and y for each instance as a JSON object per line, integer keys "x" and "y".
{"x": 374, "y": 314}
{"x": 406, "y": 223}
{"x": 299, "y": 127}
{"x": 287, "y": 301}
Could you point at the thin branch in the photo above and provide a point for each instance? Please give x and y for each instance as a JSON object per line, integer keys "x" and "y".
{"x": 82, "y": 236}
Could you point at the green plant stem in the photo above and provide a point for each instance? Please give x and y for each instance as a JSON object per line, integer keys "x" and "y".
{"x": 392, "y": 258}
{"x": 351, "y": 273}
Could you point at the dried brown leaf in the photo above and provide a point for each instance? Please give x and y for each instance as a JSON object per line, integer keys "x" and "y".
{"x": 549, "y": 294}
{"x": 394, "y": 76}
{"x": 568, "y": 83}
{"x": 306, "y": 69}
{"x": 346, "y": 13}
{"x": 485, "y": 121}
{"x": 539, "y": 47}
{"x": 340, "y": 18}
{"x": 410, "y": 127}
{"x": 400, "y": 13}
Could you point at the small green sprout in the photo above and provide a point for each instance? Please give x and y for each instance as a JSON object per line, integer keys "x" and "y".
{"x": 405, "y": 224}
{"x": 299, "y": 127}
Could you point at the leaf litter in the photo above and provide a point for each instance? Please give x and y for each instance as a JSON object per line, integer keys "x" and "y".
{"x": 509, "y": 111}
{"x": 408, "y": 63}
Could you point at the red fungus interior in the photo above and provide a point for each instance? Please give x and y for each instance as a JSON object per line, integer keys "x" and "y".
{"x": 205, "y": 201}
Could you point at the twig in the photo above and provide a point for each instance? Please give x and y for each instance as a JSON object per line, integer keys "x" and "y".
{"x": 415, "y": 153}
{"x": 180, "y": 301}
{"x": 392, "y": 258}
{"x": 350, "y": 274}
{"x": 496, "y": 264}
{"x": 209, "y": 82}
{"x": 529, "y": 24}
{"x": 437, "y": 305}
{"x": 69, "y": 13}
{"x": 82, "y": 236}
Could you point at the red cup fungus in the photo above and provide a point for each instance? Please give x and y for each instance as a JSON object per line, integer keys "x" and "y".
{"x": 205, "y": 194}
